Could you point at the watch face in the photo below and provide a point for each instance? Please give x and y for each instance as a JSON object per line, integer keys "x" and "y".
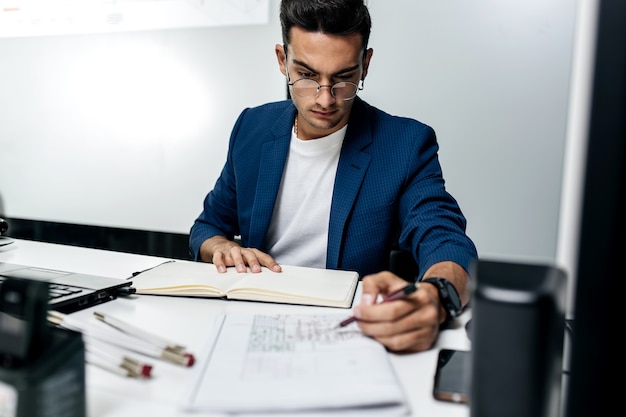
{"x": 448, "y": 295}
{"x": 453, "y": 301}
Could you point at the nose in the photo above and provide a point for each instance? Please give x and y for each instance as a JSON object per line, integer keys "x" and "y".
{"x": 325, "y": 96}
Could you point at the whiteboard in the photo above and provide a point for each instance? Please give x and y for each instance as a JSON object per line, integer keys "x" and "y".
{"x": 130, "y": 129}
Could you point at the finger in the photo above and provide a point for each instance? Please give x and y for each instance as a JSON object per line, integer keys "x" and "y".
{"x": 396, "y": 334}
{"x": 218, "y": 261}
{"x": 382, "y": 283}
{"x": 416, "y": 340}
{"x": 399, "y": 317}
{"x": 237, "y": 257}
{"x": 267, "y": 261}
{"x": 250, "y": 258}
{"x": 394, "y": 311}
{"x": 370, "y": 310}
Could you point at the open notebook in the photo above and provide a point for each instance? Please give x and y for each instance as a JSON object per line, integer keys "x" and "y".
{"x": 69, "y": 291}
{"x": 294, "y": 285}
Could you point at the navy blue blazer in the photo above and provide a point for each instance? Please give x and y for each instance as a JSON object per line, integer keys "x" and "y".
{"x": 388, "y": 189}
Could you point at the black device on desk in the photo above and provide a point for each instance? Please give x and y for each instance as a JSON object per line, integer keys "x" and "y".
{"x": 24, "y": 329}
{"x": 42, "y": 368}
{"x": 517, "y": 334}
{"x": 452, "y": 376}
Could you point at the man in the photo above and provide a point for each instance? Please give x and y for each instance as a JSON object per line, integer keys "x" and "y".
{"x": 326, "y": 180}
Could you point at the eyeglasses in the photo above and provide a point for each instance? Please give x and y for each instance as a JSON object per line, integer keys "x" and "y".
{"x": 306, "y": 87}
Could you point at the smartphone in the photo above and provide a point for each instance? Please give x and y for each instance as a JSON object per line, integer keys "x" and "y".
{"x": 452, "y": 376}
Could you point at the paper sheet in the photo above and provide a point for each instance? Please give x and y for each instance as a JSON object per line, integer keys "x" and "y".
{"x": 294, "y": 363}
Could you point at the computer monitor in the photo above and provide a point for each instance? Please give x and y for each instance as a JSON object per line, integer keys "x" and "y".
{"x": 594, "y": 379}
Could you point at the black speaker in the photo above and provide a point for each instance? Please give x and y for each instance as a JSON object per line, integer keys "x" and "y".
{"x": 24, "y": 329}
{"x": 517, "y": 333}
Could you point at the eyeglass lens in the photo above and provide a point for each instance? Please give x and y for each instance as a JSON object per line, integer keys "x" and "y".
{"x": 310, "y": 88}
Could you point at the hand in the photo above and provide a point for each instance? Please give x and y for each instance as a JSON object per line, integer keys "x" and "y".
{"x": 224, "y": 253}
{"x": 406, "y": 325}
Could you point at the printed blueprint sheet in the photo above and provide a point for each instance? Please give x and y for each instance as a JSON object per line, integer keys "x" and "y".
{"x": 278, "y": 363}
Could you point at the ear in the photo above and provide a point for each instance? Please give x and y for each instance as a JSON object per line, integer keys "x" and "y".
{"x": 281, "y": 56}
{"x": 366, "y": 62}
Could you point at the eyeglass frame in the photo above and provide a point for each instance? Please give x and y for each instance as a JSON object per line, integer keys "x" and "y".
{"x": 320, "y": 86}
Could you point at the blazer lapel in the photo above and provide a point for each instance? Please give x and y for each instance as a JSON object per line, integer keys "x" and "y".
{"x": 273, "y": 158}
{"x": 353, "y": 164}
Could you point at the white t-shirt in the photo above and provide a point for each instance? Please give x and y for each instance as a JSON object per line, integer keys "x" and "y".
{"x": 298, "y": 232}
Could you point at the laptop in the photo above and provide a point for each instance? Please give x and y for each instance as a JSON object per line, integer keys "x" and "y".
{"x": 69, "y": 291}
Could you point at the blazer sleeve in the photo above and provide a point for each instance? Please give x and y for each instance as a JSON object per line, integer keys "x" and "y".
{"x": 433, "y": 225}
{"x": 219, "y": 210}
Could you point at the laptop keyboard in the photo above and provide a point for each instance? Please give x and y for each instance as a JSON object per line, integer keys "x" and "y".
{"x": 58, "y": 290}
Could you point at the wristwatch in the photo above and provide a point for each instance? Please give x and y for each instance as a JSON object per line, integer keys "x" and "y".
{"x": 449, "y": 298}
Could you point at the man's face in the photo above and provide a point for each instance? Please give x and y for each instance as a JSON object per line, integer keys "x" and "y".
{"x": 327, "y": 59}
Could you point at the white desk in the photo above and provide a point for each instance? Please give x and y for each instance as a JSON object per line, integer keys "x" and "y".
{"x": 188, "y": 321}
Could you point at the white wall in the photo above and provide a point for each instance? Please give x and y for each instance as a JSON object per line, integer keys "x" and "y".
{"x": 130, "y": 129}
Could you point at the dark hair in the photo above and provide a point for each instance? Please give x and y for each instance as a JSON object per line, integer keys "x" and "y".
{"x": 335, "y": 17}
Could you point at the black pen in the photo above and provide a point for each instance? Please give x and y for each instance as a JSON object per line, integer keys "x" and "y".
{"x": 397, "y": 295}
